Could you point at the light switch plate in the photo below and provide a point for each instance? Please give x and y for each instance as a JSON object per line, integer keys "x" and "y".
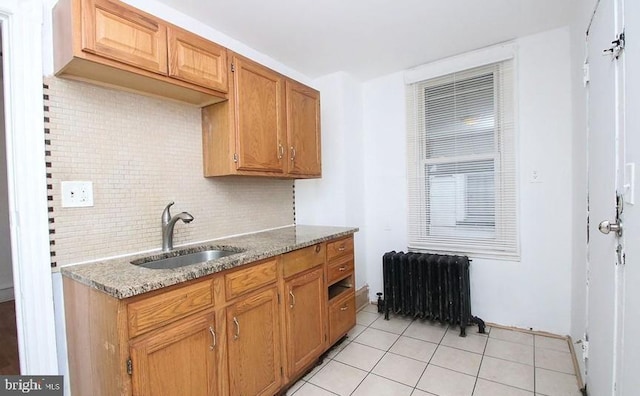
{"x": 76, "y": 194}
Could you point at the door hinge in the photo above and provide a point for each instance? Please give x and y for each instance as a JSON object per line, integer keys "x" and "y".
{"x": 585, "y": 350}
{"x": 617, "y": 46}
{"x": 233, "y": 67}
{"x": 235, "y": 157}
{"x": 585, "y": 74}
{"x": 129, "y": 366}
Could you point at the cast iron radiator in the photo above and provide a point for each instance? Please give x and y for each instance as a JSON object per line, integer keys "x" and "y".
{"x": 429, "y": 286}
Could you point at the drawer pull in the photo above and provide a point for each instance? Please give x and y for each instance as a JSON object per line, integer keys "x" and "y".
{"x": 293, "y": 299}
{"x": 341, "y": 248}
{"x": 344, "y": 308}
{"x": 237, "y": 335}
{"x": 213, "y": 338}
{"x": 342, "y": 269}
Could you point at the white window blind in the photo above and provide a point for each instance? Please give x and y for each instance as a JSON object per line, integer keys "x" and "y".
{"x": 461, "y": 162}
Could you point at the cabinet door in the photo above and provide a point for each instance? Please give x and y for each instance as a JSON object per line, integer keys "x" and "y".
{"x": 259, "y": 117}
{"x": 122, "y": 33}
{"x": 305, "y": 319}
{"x": 253, "y": 344}
{"x": 196, "y": 60}
{"x": 176, "y": 360}
{"x": 342, "y": 315}
{"x": 303, "y": 130}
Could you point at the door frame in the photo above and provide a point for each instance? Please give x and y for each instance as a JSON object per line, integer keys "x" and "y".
{"x": 21, "y": 24}
{"x": 618, "y": 144}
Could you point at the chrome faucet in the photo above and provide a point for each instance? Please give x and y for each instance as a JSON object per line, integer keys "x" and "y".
{"x": 168, "y": 223}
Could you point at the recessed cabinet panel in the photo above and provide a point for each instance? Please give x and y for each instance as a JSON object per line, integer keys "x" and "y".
{"x": 198, "y": 61}
{"x": 303, "y": 129}
{"x": 253, "y": 335}
{"x": 179, "y": 360}
{"x": 259, "y": 104}
{"x": 342, "y": 315}
{"x": 303, "y": 259}
{"x": 149, "y": 313}
{"x": 127, "y": 35}
{"x": 339, "y": 248}
{"x": 305, "y": 319}
{"x": 246, "y": 280}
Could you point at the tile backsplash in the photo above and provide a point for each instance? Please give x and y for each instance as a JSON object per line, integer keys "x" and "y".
{"x": 141, "y": 153}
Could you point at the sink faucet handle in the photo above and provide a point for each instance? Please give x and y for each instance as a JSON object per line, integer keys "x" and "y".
{"x": 166, "y": 214}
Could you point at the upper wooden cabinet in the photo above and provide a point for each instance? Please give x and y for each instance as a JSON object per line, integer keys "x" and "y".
{"x": 196, "y": 60}
{"x": 303, "y": 129}
{"x": 259, "y": 100}
{"x": 111, "y": 43}
{"x": 269, "y": 127}
{"x": 116, "y": 31}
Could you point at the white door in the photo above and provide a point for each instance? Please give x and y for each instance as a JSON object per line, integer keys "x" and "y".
{"x": 606, "y": 134}
{"x": 629, "y": 369}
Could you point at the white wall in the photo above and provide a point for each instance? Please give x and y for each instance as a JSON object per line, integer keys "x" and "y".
{"x": 6, "y": 268}
{"x": 536, "y": 291}
{"x": 337, "y": 198}
{"x": 583, "y": 12}
{"x": 386, "y": 172}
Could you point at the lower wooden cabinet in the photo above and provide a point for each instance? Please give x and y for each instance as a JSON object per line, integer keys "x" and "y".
{"x": 305, "y": 319}
{"x": 342, "y": 316}
{"x": 248, "y": 331}
{"x": 253, "y": 340}
{"x": 178, "y": 360}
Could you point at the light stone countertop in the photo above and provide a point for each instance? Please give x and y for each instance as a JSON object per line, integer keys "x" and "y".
{"x": 121, "y": 279}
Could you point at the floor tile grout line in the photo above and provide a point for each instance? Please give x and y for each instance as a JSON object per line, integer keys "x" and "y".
{"x": 484, "y": 351}
{"x": 374, "y": 366}
{"x": 534, "y": 365}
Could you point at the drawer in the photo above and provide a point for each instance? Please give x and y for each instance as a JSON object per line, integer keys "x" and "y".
{"x": 147, "y": 314}
{"x": 339, "y": 248}
{"x": 303, "y": 259}
{"x": 339, "y": 268}
{"x": 342, "y": 316}
{"x": 248, "y": 279}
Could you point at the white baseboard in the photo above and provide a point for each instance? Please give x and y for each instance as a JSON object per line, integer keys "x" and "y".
{"x": 6, "y": 294}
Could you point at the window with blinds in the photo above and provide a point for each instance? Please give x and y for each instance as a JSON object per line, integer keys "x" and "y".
{"x": 461, "y": 162}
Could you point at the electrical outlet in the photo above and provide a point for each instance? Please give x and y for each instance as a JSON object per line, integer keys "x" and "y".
{"x": 76, "y": 194}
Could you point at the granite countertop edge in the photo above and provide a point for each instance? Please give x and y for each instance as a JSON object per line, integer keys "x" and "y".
{"x": 121, "y": 279}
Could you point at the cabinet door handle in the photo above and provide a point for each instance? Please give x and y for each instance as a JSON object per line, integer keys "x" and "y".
{"x": 293, "y": 299}
{"x": 237, "y": 335}
{"x": 213, "y": 338}
{"x": 344, "y": 308}
{"x": 293, "y": 153}
{"x": 342, "y": 269}
{"x": 280, "y": 151}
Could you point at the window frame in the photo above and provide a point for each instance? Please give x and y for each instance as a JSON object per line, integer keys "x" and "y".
{"x": 489, "y": 57}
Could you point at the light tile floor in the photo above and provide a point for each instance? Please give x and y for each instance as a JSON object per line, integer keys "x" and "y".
{"x": 420, "y": 358}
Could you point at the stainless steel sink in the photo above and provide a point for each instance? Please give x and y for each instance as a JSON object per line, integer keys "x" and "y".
{"x": 184, "y": 259}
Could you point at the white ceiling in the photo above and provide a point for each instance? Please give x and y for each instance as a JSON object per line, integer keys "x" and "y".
{"x": 369, "y": 38}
